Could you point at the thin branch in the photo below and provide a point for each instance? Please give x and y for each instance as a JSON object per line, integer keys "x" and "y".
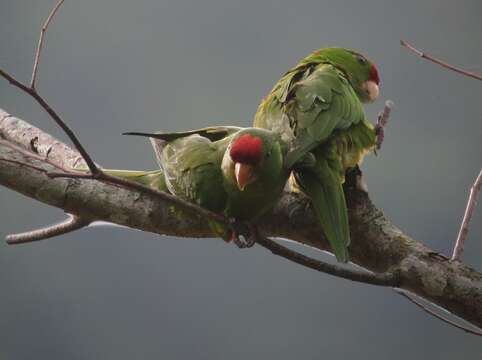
{"x": 31, "y": 154}
{"x": 65, "y": 173}
{"x": 30, "y": 90}
{"x": 33, "y": 93}
{"x": 390, "y": 279}
{"x": 21, "y": 163}
{"x": 72, "y": 223}
{"x": 439, "y": 62}
{"x": 469, "y": 210}
{"x": 42, "y": 170}
{"x": 41, "y": 41}
{"x": 164, "y": 196}
{"x": 438, "y": 316}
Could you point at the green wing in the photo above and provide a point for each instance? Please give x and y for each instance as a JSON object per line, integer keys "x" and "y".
{"x": 307, "y": 105}
{"x": 192, "y": 168}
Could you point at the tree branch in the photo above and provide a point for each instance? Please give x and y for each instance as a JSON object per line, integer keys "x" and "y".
{"x": 41, "y": 42}
{"x": 444, "y": 64}
{"x": 469, "y": 210}
{"x": 386, "y": 279}
{"x": 72, "y": 223}
{"x": 440, "y": 317}
{"x": 32, "y": 91}
{"x": 377, "y": 245}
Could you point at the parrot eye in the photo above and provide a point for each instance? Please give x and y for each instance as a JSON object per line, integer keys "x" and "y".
{"x": 361, "y": 60}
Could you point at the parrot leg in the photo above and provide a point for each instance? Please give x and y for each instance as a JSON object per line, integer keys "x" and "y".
{"x": 354, "y": 180}
{"x": 242, "y": 234}
{"x": 235, "y": 232}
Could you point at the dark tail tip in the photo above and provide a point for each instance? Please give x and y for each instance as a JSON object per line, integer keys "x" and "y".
{"x": 149, "y": 135}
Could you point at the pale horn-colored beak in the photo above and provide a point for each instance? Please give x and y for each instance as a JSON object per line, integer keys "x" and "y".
{"x": 371, "y": 89}
{"x": 244, "y": 174}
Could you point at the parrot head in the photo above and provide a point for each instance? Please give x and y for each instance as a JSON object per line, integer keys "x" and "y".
{"x": 360, "y": 72}
{"x": 252, "y": 156}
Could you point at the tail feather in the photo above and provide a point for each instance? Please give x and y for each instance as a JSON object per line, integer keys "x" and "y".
{"x": 160, "y": 139}
{"x": 325, "y": 190}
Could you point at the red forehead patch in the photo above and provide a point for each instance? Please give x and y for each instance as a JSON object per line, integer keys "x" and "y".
{"x": 373, "y": 76}
{"x": 246, "y": 150}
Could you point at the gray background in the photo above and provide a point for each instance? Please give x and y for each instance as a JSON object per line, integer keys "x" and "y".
{"x": 111, "y": 66}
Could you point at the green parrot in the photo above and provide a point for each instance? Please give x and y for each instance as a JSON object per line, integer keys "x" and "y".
{"x": 316, "y": 107}
{"x": 238, "y": 172}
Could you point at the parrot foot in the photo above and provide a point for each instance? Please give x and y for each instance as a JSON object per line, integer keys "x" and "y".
{"x": 242, "y": 234}
{"x": 354, "y": 180}
{"x": 380, "y": 135}
{"x": 382, "y": 121}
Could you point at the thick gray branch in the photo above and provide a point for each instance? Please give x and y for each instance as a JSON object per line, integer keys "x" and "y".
{"x": 377, "y": 244}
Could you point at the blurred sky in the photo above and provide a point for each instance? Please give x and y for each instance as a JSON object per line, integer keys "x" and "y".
{"x": 114, "y": 65}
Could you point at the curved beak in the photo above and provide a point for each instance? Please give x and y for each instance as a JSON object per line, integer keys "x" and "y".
{"x": 371, "y": 89}
{"x": 244, "y": 174}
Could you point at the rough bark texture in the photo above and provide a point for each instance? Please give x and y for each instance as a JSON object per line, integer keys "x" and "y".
{"x": 377, "y": 244}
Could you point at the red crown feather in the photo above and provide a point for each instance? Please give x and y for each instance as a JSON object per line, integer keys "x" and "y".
{"x": 246, "y": 150}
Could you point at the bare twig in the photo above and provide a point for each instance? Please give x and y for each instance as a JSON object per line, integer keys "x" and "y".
{"x": 32, "y": 155}
{"x": 41, "y": 41}
{"x": 21, "y": 163}
{"x": 33, "y": 93}
{"x": 424, "y": 55}
{"x": 382, "y": 121}
{"x": 66, "y": 173}
{"x": 469, "y": 210}
{"x": 390, "y": 279}
{"x": 72, "y": 223}
{"x": 164, "y": 196}
{"x": 438, "y": 316}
